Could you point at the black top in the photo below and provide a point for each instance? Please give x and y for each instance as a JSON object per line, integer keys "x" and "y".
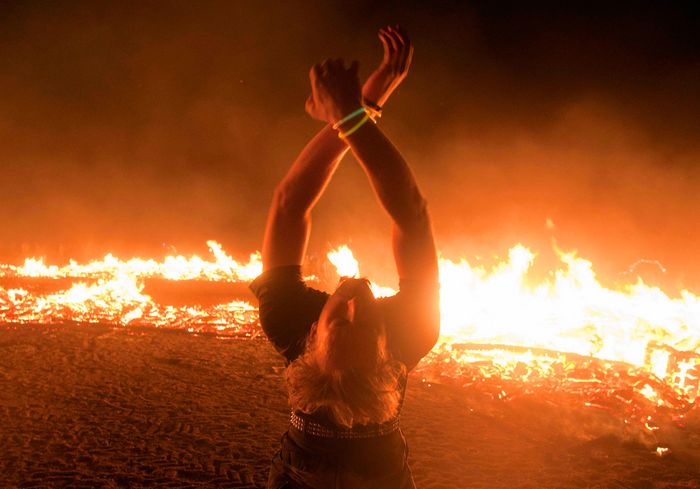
{"x": 288, "y": 308}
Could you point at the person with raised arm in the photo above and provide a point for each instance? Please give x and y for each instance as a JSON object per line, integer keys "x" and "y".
{"x": 348, "y": 354}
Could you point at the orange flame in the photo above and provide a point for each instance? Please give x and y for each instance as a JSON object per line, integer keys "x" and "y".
{"x": 111, "y": 291}
{"x": 569, "y": 312}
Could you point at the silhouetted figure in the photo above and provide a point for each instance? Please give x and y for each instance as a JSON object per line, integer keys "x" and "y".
{"x": 348, "y": 353}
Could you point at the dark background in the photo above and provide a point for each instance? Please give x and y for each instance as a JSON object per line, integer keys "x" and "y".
{"x": 144, "y": 128}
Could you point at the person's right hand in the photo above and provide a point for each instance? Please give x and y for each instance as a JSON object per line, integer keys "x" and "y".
{"x": 335, "y": 90}
{"x": 398, "y": 54}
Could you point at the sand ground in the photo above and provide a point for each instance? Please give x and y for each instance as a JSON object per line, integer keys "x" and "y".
{"x": 88, "y": 407}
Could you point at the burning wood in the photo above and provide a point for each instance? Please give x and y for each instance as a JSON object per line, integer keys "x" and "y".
{"x": 632, "y": 351}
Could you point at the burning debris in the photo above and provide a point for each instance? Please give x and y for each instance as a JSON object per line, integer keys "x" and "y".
{"x": 633, "y": 352}
{"x": 112, "y": 291}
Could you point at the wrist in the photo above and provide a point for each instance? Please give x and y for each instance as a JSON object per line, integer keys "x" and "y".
{"x": 343, "y": 110}
{"x": 375, "y": 97}
{"x": 349, "y": 119}
{"x": 355, "y": 125}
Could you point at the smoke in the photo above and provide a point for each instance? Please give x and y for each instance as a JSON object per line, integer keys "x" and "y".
{"x": 141, "y": 127}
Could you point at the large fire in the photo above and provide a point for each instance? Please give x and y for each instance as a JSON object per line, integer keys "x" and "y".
{"x": 568, "y": 331}
{"x": 112, "y": 291}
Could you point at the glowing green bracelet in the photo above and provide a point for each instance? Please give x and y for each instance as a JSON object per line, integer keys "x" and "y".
{"x": 342, "y": 135}
{"x": 352, "y": 115}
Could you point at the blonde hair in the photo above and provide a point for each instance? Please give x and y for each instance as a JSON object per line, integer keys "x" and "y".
{"x": 350, "y": 396}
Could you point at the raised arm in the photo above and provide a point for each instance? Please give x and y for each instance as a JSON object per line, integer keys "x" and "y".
{"x": 289, "y": 219}
{"x": 336, "y": 94}
{"x": 335, "y": 89}
{"x": 397, "y": 190}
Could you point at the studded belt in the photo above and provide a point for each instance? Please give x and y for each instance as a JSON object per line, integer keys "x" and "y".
{"x": 309, "y": 427}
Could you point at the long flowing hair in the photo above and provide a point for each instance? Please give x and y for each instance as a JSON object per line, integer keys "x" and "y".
{"x": 348, "y": 396}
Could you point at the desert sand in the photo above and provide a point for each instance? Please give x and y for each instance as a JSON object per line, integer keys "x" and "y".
{"x": 90, "y": 407}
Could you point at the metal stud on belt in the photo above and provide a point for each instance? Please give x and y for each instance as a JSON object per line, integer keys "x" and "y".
{"x": 313, "y": 428}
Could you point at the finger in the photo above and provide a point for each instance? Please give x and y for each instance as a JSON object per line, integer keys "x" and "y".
{"x": 408, "y": 60}
{"x": 383, "y": 32}
{"x": 325, "y": 65}
{"x": 309, "y": 105}
{"x": 354, "y": 68}
{"x": 403, "y": 48}
{"x": 406, "y": 50}
{"x": 315, "y": 72}
{"x": 404, "y": 35}
{"x": 390, "y": 38}
{"x": 400, "y": 36}
{"x": 397, "y": 49}
{"x": 392, "y": 52}
{"x": 397, "y": 42}
{"x": 387, "y": 47}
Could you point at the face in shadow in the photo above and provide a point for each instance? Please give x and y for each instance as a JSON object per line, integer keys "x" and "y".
{"x": 350, "y": 331}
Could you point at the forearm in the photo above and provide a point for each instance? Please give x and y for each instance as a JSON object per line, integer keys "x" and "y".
{"x": 390, "y": 176}
{"x": 289, "y": 221}
{"x": 310, "y": 173}
{"x": 397, "y": 190}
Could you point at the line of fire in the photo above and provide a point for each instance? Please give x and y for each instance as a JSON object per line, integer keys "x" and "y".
{"x": 631, "y": 352}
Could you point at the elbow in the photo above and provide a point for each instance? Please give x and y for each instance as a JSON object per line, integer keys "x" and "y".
{"x": 422, "y": 215}
{"x": 434, "y": 320}
{"x": 414, "y": 214}
{"x": 428, "y": 339}
{"x": 434, "y": 329}
{"x": 418, "y": 205}
{"x": 284, "y": 203}
{"x": 430, "y": 332}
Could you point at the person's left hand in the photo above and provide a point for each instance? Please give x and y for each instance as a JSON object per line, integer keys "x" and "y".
{"x": 398, "y": 53}
{"x": 335, "y": 90}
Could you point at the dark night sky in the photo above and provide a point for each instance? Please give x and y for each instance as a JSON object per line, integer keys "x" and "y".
{"x": 143, "y": 127}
